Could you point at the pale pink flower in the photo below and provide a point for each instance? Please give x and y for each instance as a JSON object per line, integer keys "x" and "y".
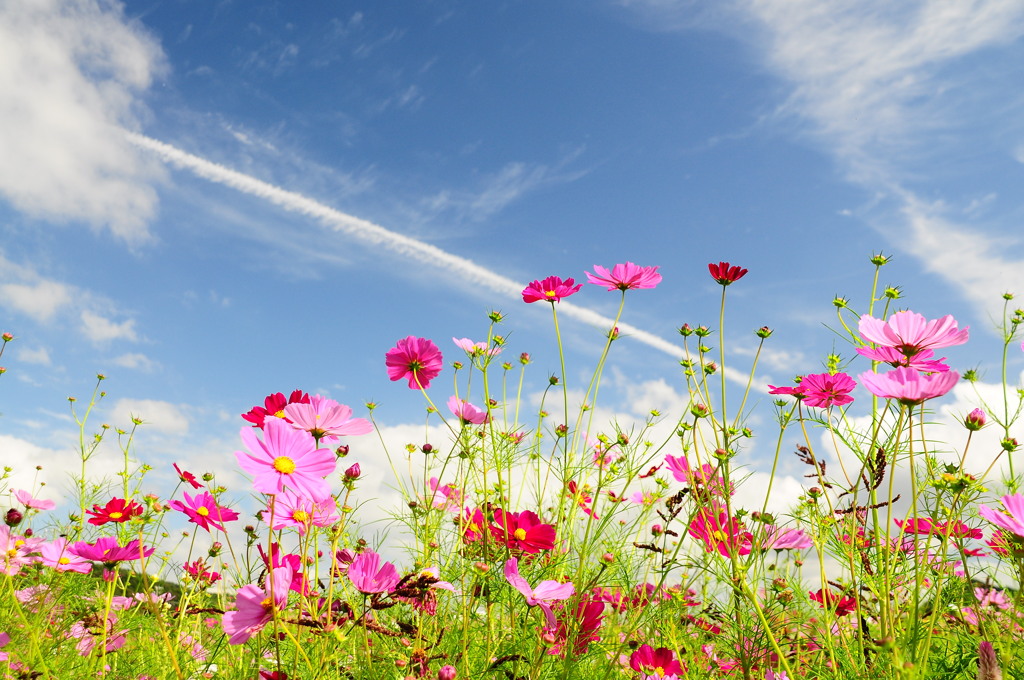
{"x": 543, "y": 595}
{"x": 625, "y": 277}
{"x": 286, "y": 457}
{"x": 15, "y": 551}
{"x": 255, "y": 606}
{"x": 909, "y": 332}
{"x": 89, "y": 634}
{"x": 56, "y": 555}
{"x": 466, "y": 412}
{"x": 293, "y": 510}
{"x": 777, "y": 538}
{"x": 369, "y": 576}
{"x": 323, "y": 417}
{"x": 475, "y": 349}
{"x": 920, "y": 361}
{"x": 4, "y": 639}
{"x": 1012, "y": 520}
{"x": 26, "y": 499}
{"x": 908, "y": 386}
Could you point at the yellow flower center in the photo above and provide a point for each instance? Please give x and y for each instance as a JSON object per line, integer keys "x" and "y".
{"x": 267, "y": 603}
{"x": 549, "y": 293}
{"x": 300, "y": 516}
{"x": 116, "y": 515}
{"x": 64, "y": 560}
{"x": 203, "y": 511}
{"x": 520, "y": 534}
{"x": 279, "y": 414}
{"x": 719, "y": 535}
{"x": 284, "y": 465}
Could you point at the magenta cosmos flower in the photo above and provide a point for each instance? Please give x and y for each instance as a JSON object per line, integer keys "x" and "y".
{"x": 323, "y": 417}
{"x": 416, "y": 359}
{"x": 522, "y": 531}
{"x": 907, "y": 386}
{"x": 655, "y": 664}
{"x": 369, "y": 576}
{"x": 1012, "y": 520}
{"x": 725, "y": 274}
{"x": 821, "y": 390}
{"x": 625, "y": 277}
{"x": 273, "y": 407}
{"x": 909, "y": 332}
{"x": 543, "y": 595}
{"x": 255, "y": 606}
{"x": 107, "y": 550}
{"x": 466, "y": 412}
{"x": 551, "y": 289}
{"x": 202, "y": 509}
{"x": 286, "y": 458}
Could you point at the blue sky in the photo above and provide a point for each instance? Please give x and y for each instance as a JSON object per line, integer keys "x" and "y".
{"x": 211, "y": 201}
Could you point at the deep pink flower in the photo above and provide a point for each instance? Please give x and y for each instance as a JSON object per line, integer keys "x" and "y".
{"x": 473, "y": 525}
{"x": 842, "y": 604}
{"x": 286, "y": 458}
{"x": 823, "y": 390}
{"x": 187, "y": 477}
{"x": 26, "y": 499}
{"x": 4, "y": 639}
{"x": 920, "y": 361}
{"x": 718, "y": 533}
{"x": 1012, "y": 520}
{"x": 255, "y": 606}
{"x": 625, "y": 277}
{"x": 909, "y": 332}
{"x": 725, "y": 274}
{"x": 705, "y": 481}
{"x": 273, "y": 406}
{"x": 292, "y": 510}
{"x": 116, "y": 510}
{"x": 551, "y": 289}
{"x": 543, "y": 595}
{"x": 925, "y": 525}
{"x": 202, "y": 509}
{"x": 578, "y": 627}
{"x": 522, "y": 531}
{"x": 369, "y": 576}
{"x": 107, "y": 550}
{"x": 278, "y": 558}
{"x": 198, "y": 571}
{"x": 57, "y": 555}
{"x": 655, "y": 664}
{"x": 582, "y": 497}
{"x": 466, "y": 412}
{"x": 907, "y": 385}
{"x": 416, "y": 359}
{"x": 323, "y": 417}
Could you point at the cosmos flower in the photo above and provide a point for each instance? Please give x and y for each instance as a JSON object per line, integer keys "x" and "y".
{"x": 821, "y": 390}
{"x": 107, "y": 550}
{"x": 543, "y": 595}
{"x": 293, "y": 510}
{"x": 273, "y": 406}
{"x": 624, "y": 277}
{"x": 323, "y": 417}
{"x": 466, "y": 412}
{"x": 842, "y": 604}
{"x": 909, "y": 332}
{"x": 202, "y": 509}
{"x": 369, "y": 576}
{"x": 919, "y": 361}
{"x": 552, "y": 289}
{"x": 56, "y": 554}
{"x": 718, "y": 533}
{"x": 255, "y": 607}
{"x": 187, "y": 477}
{"x": 907, "y": 386}
{"x": 578, "y": 627}
{"x": 725, "y": 274}
{"x": 777, "y": 538}
{"x": 116, "y": 510}
{"x": 286, "y": 457}
{"x": 476, "y": 349}
{"x": 522, "y": 531}
{"x": 416, "y": 359}
{"x": 91, "y": 632}
{"x": 1012, "y": 520}
{"x": 655, "y": 664}
{"x": 26, "y": 499}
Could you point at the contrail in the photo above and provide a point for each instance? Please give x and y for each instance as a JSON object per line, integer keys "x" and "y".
{"x": 374, "y": 234}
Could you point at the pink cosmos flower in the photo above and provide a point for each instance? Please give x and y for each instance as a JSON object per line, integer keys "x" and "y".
{"x": 255, "y": 606}
{"x": 777, "y": 538}
{"x": 292, "y": 510}
{"x": 466, "y": 412}
{"x": 369, "y": 576}
{"x": 187, "y": 477}
{"x": 202, "y": 509}
{"x": 908, "y": 386}
{"x": 416, "y": 359}
{"x": 578, "y": 628}
{"x": 822, "y": 390}
{"x": 582, "y": 497}
{"x": 286, "y": 457}
{"x": 625, "y": 277}
{"x": 277, "y": 558}
{"x": 909, "y": 332}
{"x": 725, "y": 274}
{"x": 705, "y": 481}
{"x": 920, "y": 361}
{"x": 1012, "y": 520}
{"x": 551, "y": 289}
{"x": 473, "y": 525}
{"x": 522, "y": 531}
{"x": 925, "y": 525}
{"x": 57, "y": 555}
{"x": 4, "y": 639}
{"x": 107, "y": 550}
{"x": 26, "y": 499}
{"x": 273, "y": 407}
{"x": 446, "y": 497}
{"x": 718, "y": 533}
{"x": 655, "y": 664}
{"x": 475, "y": 349}
{"x": 543, "y": 595}
{"x": 116, "y": 510}
{"x": 323, "y": 417}
{"x": 90, "y": 633}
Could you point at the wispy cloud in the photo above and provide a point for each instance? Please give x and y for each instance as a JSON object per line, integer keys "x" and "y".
{"x": 101, "y": 330}
{"x": 135, "y": 361}
{"x": 70, "y": 74}
{"x": 39, "y": 300}
{"x": 37, "y": 355}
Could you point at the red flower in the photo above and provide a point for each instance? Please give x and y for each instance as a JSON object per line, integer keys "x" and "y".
{"x": 187, "y": 477}
{"x": 842, "y": 605}
{"x": 116, "y": 510}
{"x": 274, "y": 405}
{"x": 577, "y": 629}
{"x": 725, "y": 274}
{"x": 551, "y": 289}
{"x": 522, "y": 531}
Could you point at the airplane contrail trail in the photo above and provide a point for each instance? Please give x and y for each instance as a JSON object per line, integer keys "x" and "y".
{"x": 374, "y": 234}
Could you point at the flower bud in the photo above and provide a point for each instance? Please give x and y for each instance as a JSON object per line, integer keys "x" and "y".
{"x": 685, "y": 330}
{"x": 657, "y": 530}
{"x": 341, "y": 451}
{"x": 13, "y": 517}
{"x": 446, "y": 673}
{"x": 524, "y": 358}
{"x": 427, "y": 448}
{"x": 215, "y": 548}
{"x": 1009, "y": 444}
{"x": 764, "y": 332}
{"x": 553, "y": 380}
{"x": 353, "y": 472}
{"x": 7, "y": 337}
{"x": 975, "y": 420}
{"x": 700, "y": 411}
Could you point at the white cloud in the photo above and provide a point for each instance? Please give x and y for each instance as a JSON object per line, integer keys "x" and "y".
{"x": 71, "y": 71}
{"x": 39, "y": 355}
{"x": 39, "y": 301}
{"x": 99, "y": 329}
{"x": 135, "y": 361}
{"x": 159, "y": 416}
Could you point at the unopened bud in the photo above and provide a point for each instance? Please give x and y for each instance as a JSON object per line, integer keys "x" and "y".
{"x": 215, "y": 548}
{"x": 341, "y": 451}
{"x": 353, "y": 472}
{"x": 975, "y": 420}
{"x": 446, "y": 673}
{"x": 524, "y": 358}
{"x": 13, "y": 517}
{"x": 7, "y": 337}
{"x": 427, "y": 448}
{"x": 764, "y": 332}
